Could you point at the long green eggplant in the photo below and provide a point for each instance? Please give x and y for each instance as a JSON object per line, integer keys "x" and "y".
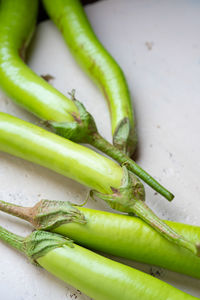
{"x": 96, "y": 276}
{"x": 73, "y": 24}
{"x": 110, "y": 182}
{"x": 119, "y": 235}
{"x": 68, "y": 118}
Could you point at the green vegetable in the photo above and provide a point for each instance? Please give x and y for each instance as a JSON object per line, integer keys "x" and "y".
{"x": 68, "y": 118}
{"x": 96, "y": 276}
{"x": 119, "y": 235}
{"x": 110, "y": 182}
{"x": 71, "y": 20}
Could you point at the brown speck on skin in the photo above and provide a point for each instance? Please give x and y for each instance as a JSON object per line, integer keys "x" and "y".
{"x": 149, "y": 45}
{"x": 73, "y": 296}
{"x": 155, "y": 272}
{"x": 47, "y": 77}
{"x": 158, "y": 126}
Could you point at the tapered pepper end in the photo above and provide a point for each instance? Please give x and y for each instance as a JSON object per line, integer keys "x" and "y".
{"x": 125, "y": 138}
{"x": 46, "y": 214}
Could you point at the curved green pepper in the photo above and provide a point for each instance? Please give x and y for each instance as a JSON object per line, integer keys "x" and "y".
{"x": 95, "y": 275}
{"x": 68, "y": 118}
{"x": 116, "y": 234}
{"x": 71, "y": 20}
{"x": 16, "y": 78}
{"x": 110, "y": 182}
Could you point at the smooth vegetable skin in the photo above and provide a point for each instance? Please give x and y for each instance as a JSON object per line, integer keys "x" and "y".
{"x": 17, "y": 19}
{"x": 71, "y": 20}
{"x": 120, "y": 235}
{"x": 35, "y": 144}
{"x": 17, "y": 23}
{"x": 95, "y": 275}
{"x": 104, "y": 279}
{"x": 131, "y": 238}
{"x": 110, "y": 182}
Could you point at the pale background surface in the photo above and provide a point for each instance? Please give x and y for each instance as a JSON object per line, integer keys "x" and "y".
{"x": 158, "y": 46}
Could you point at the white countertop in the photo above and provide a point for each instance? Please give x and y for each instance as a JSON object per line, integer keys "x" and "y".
{"x": 157, "y": 43}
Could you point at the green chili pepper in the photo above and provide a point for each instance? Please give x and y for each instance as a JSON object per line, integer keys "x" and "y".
{"x": 110, "y": 182}
{"x": 71, "y": 20}
{"x": 119, "y": 235}
{"x": 95, "y": 275}
{"x": 68, "y": 118}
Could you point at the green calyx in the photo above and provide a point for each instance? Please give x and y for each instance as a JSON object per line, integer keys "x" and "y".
{"x": 38, "y": 243}
{"x": 79, "y": 131}
{"x": 123, "y": 198}
{"x": 49, "y": 214}
{"x": 124, "y": 137}
{"x": 46, "y": 214}
{"x": 129, "y": 198}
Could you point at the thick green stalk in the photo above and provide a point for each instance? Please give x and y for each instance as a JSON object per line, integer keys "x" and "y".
{"x": 100, "y": 143}
{"x": 12, "y": 239}
{"x": 141, "y": 209}
{"x": 84, "y": 130}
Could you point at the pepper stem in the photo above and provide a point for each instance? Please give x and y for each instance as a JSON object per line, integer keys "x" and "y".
{"x": 37, "y": 244}
{"x": 16, "y": 210}
{"x": 100, "y": 143}
{"x": 145, "y": 213}
{"x": 124, "y": 199}
{"x": 46, "y": 214}
{"x": 12, "y": 239}
{"x": 83, "y": 130}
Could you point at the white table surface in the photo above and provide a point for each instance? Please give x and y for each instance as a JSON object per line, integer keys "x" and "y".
{"x": 157, "y": 43}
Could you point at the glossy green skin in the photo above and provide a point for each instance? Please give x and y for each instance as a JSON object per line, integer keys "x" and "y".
{"x": 131, "y": 238}
{"x": 37, "y": 145}
{"x": 70, "y": 18}
{"x": 17, "y": 20}
{"x": 104, "y": 279}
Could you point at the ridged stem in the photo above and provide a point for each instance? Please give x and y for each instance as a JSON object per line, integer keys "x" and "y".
{"x": 100, "y": 143}
{"x": 12, "y": 239}
{"x": 145, "y": 213}
{"x": 15, "y": 210}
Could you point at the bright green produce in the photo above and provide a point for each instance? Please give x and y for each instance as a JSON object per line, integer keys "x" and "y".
{"x": 66, "y": 117}
{"x": 17, "y": 23}
{"x": 95, "y": 275}
{"x": 110, "y": 182}
{"x": 120, "y": 235}
{"x": 71, "y": 20}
